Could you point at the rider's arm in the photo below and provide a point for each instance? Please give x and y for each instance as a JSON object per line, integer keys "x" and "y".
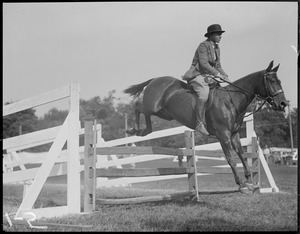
{"x": 220, "y": 70}
{"x": 204, "y": 57}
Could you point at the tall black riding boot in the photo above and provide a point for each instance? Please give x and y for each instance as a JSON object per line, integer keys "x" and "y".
{"x": 200, "y": 115}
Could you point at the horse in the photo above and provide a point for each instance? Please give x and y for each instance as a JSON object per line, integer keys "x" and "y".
{"x": 170, "y": 98}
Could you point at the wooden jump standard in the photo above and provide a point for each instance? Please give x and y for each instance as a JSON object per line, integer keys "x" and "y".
{"x": 91, "y": 172}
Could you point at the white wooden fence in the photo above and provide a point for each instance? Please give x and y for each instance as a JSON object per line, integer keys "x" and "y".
{"x": 103, "y": 182}
{"x": 35, "y": 178}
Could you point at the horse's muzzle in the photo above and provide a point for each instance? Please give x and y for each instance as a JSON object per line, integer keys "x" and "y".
{"x": 279, "y": 106}
{"x": 278, "y": 102}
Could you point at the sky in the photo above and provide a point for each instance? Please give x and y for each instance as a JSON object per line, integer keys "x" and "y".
{"x": 109, "y": 46}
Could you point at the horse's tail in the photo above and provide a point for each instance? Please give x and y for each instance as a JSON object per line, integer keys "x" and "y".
{"x": 135, "y": 90}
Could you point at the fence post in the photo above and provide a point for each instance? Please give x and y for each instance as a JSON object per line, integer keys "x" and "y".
{"x": 249, "y": 133}
{"x": 191, "y": 164}
{"x": 73, "y": 165}
{"x": 255, "y": 162}
{"x": 94, "y": 162}
{"x": 89, "y": 179}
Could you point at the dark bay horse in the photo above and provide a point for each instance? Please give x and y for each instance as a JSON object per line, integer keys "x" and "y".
{"x": 170, "y": 98}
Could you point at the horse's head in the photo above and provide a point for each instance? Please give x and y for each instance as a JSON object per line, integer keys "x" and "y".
{"x": 273, "y": 91}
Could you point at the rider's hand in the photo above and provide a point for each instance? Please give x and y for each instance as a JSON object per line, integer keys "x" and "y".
{"x": 226, "y": 77}
{"x": 223, "y": 77}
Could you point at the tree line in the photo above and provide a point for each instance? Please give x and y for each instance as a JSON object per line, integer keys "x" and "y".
{"x": 272, "y": 127}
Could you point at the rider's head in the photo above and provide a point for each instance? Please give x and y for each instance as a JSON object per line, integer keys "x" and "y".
{"x": 215, "y": 37}
{"x": 214, "y": 33}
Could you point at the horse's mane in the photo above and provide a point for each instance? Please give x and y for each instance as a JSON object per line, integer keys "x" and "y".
{"x": 250, "y": 76}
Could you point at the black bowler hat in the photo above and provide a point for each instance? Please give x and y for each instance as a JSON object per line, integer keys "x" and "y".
{"x": 213, "y": 28}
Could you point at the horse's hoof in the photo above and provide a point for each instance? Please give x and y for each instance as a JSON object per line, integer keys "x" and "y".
{"x": 245, "y": 190}
{"x": 144, "y": 133}
{"x": 131, "y": 131}
{"x": 252, "y": 187}
{"x": 139, "y": 132}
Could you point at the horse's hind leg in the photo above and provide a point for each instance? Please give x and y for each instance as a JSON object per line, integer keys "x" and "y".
{"x": 140, "y": 132}
{"x": 137, "y": 112}
{"x": 236, "y": 143}
{"x": 144, "y": 132}
{"x": 137, "y": 119}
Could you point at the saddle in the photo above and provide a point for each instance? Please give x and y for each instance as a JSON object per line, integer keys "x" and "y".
{"x": 214, "y": 85}
{"x": 212, "y": 88}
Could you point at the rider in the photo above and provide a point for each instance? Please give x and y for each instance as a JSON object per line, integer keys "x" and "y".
{"x": 206, "y": 64}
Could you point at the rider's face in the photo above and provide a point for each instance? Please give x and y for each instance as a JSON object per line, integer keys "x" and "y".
{"x": 216, "y": 37}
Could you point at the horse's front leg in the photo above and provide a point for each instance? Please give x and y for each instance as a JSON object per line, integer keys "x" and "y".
{"x": 229, "y": 152}
{"x": 237, "y": 146}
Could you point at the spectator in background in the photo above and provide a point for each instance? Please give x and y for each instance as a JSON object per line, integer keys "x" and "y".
{"x": 266, "y": 152}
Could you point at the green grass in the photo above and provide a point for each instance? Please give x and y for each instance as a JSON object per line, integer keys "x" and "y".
{"x": 220, "y": 212}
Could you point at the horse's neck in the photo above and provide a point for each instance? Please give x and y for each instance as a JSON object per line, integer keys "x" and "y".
{"x": 242, "y": 99}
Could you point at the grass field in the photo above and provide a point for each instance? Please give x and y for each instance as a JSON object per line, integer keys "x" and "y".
{"x": 219, "y": 212}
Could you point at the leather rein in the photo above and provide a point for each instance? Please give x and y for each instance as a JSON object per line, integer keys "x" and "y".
{"x": 269, "y": 98}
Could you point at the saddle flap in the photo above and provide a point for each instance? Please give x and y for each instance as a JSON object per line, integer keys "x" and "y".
{"x": 212, "y": 87}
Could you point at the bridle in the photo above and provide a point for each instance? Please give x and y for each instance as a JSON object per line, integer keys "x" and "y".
{"x": 270, "y": 95}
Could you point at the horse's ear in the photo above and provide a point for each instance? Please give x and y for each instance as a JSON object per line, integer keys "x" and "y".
{"x": 276, "y": 68}
{"x": 270, "y": 66}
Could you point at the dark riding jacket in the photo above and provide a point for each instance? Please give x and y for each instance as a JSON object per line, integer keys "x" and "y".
{"x": 205, "y": 60}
